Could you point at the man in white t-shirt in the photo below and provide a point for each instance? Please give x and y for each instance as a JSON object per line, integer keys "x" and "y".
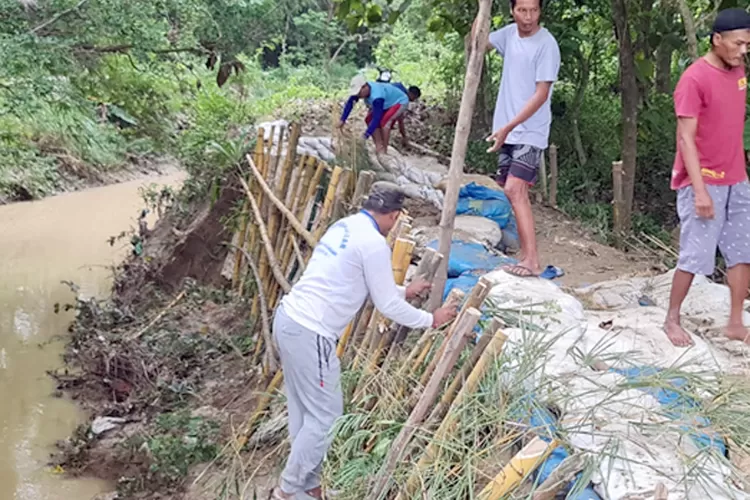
{"x": 351, "y": 262}
{"x": 523, "y": 114}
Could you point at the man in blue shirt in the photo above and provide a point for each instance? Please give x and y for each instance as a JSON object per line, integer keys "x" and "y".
{"x": 387, "y": 104}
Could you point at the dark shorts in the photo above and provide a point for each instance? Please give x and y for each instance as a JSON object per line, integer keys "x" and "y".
{"x": 729, "y": 230}
{"x": 518, "y": 160}
{"x": 390, "y": 117}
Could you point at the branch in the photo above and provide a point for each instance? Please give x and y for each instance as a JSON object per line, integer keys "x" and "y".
{"x": 122, "y": 48}
{"x": 57, "y": 17}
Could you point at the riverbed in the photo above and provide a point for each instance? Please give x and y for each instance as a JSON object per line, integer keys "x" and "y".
{"x": 43, "y": 243}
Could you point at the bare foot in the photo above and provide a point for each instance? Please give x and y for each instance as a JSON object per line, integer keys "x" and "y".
{"x": 524, "y": 269}
{"x": 737, "y": 332}
{"x": 676, "y": 334}
{"x": 315, "y": 493}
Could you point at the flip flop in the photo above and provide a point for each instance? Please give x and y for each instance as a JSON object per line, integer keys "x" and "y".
{"x": 520, "y": 271}
{"x": 552, "y": 272}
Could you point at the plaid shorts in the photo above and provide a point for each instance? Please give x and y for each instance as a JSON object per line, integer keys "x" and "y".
{"x": 519, "y": 160}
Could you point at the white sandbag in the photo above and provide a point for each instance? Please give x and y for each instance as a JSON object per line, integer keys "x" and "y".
{"x": 481, "y": 228}
{"x": 624, "y": 428}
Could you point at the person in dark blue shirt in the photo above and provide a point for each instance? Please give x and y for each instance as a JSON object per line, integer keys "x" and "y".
{"x": 387, "y": 104}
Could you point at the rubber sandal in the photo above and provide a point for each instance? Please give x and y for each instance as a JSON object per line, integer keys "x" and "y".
{"x": 552, "y": 272}
{"x": 520, "y": 271}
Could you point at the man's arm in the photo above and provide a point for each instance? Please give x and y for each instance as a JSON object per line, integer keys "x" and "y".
{"x": 495, "y": 40}
{"x": 348, "y": 108}
{"x": 541, "y": 93}
{"x": 377, "y": 115}
{"x": 688, "y": 100}
{"x": 688, "y": 149}
{"x": 386, "y": 296}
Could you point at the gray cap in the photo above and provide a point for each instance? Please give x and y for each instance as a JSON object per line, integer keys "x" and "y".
{"x": 384, "y": 198}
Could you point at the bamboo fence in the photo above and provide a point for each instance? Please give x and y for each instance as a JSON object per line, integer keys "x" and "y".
{"x": 290, "y": 202}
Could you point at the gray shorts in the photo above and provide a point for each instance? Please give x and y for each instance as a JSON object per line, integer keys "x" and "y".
{"x": 729, "y": 230}
{"x": 519, "y": 160}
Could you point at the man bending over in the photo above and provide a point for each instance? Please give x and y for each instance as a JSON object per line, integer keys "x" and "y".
{"x": 387, "y": 104}
{"x": 351, "y": 262}
{"x": 713, "y": 194}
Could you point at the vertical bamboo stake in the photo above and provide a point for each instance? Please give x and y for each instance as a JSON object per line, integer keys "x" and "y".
{"x": 476, "y": 299}
{"x": 260, "y": 408}
{"x": 339, "y": 208}
{"x": 402, "y": 252}
{"x": 448, "y": 425}
{"x": 618, "y": 200}
{"x": 466, "y": 370}
{"x": 553, "y": 175}
{"x": 460, "y": 145}
{"x": 309, "y": 199}
{"x": 459, "y": 332}
{"x": 325, "y": 211}
{"x": 364, "y": 183}
{"x": 244, "y": 223}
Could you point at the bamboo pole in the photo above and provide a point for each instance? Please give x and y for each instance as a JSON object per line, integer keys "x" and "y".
{"x": 260, "y": 408}
{"x": 519, "y": 468}
{"x": 311, "y": 195}
{"x": 364, "y": 184}
{"x": 460, "y": 144}
{"x": 402, "y": 252}
{"x": 266, "y": 241}
{"x": 244, "y": 222}
{"x": 325, "y": 211}
{"x": 423, "y": 346}
{"x": 397, "y": 333}
{"x": 553, "y": 175}
{"x": 476, "y": 299}
{"x": 466, "y": 370}
{"x": 297, "y": 225}
{"x": 449, "y": 423}
{"x": 459, "y": 332}
{"x": 296, "y": 202}
{"x": 339, "y": 206}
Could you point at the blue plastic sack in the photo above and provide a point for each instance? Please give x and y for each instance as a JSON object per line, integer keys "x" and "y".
{"x": 474, "y": 199}
{"x": 471, "y": 257}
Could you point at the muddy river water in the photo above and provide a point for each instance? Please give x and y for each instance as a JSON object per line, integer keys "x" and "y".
{"x": 45, "y": 242}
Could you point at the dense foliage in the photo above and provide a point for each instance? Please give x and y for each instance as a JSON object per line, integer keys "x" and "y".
{"x": 87, "y": 86}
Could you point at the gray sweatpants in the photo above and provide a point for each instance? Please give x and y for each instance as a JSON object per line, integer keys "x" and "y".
{"x": 312, "y": 383}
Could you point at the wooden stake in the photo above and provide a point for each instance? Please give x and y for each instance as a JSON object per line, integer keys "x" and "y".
{"x": 275, "y": 269}
{"x": 618, "y": 201}
{"x": 260, "y": 408}
{"x": 458, "y": 333}
{"x": 460, "y": 144}
{"x": 553, "y": 175}
{"x": 364, "y": 183}
{"x": 468, "y": 367}
{"x": 476, "y": 299}
{"x": 325, "y": 211}
{"x": 519, "y": 468}
{"x": 244, "y": 222}
{"x": 269, "y": 365}
{"x": 449, "y": 424}
{"x": 297, "y": 225}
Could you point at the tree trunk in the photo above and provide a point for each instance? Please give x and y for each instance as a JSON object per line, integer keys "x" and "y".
{"x": 460, "y": 144}
{"x": 584, "y": 73}
{"x": 629, "y": 96}
{"x": 664, "y": 69}
{"x": 690, "y": 33}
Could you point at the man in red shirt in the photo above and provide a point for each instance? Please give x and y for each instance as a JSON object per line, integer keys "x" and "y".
{"x": 713, "y": 194}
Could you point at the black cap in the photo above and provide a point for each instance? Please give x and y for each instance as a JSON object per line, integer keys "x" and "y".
{"x": 730, "y": 20}
{"x": 384, "y": 198}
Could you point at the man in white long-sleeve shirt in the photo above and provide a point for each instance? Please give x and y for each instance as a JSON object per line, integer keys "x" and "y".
{"x": 351, "y": 262}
